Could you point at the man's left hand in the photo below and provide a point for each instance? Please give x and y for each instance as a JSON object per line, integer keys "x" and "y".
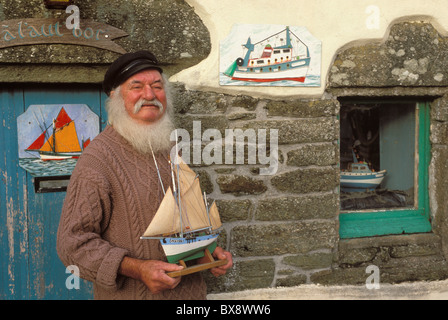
{"x": 221, "y": 254}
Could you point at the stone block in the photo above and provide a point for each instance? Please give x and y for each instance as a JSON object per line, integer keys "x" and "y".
{"x": 234, "y": 210}
{"x": 291, "y": 281}
{"x": 301, "y": 130}
{"x": 283, "y": 238}
{"x": 240, "y": 185}
{"x": 307, "y": 180}
{"x": 318, "y": 260}
{"x": 302, "y": 108}
{"x": 320, "y": 206}
{"x": 245, "y": 275}
{"x": 313, "y": 154}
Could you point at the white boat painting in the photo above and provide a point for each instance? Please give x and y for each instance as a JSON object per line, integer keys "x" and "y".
{"x": 270, "y": 55}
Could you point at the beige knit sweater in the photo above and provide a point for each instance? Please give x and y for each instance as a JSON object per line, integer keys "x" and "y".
{"x": 113, "y": 194}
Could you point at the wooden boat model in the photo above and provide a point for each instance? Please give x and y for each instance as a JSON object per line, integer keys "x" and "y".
{"x": 185, "y": 225}
{"x": 359, "y": 177}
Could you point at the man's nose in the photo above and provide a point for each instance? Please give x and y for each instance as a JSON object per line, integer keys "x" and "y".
{"x": 148, "y": 93}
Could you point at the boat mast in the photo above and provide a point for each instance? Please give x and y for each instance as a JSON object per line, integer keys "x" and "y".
{"x": 250, "y": 47}
{"x": 288, "y": 38}
{"x": 207, "y": 210}
{"x": 54, "y": 136}
{"x": 178, "y": 190}
{"x": 157, "y": 168}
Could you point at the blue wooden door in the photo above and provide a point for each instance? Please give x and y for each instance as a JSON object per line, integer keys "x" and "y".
{"x": 30, "y": 267}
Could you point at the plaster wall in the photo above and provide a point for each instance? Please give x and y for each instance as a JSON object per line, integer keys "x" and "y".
{"x": 336, "y": 23}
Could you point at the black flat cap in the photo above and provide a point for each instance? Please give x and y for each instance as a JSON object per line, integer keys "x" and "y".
{"x": 126, "y": 66}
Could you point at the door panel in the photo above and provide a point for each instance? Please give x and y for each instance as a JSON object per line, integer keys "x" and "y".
{"x": 30, "y": 266}
{"x": 14, "y": 251}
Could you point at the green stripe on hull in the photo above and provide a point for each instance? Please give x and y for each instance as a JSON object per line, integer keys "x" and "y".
{"x": 192, "y": 254}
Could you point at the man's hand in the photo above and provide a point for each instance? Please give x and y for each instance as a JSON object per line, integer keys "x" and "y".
{"x": 219, "y": 254}
{"x": 151, "y": 272}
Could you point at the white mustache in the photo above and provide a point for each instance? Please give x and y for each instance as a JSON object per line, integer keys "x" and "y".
{"x": 141, "y": 102}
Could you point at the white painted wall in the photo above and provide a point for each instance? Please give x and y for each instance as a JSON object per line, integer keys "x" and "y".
{"x": 336, "y": 23}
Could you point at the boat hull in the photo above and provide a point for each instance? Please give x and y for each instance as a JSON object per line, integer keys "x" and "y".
{"x": 187, "y": 249}
{"x": 358, "y": 182}
{"x": 47, "y": 156}
{"x": 292, "y": 71}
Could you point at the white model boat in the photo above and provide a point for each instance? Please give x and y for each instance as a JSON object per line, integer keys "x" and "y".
{"x": 184, "y": 223}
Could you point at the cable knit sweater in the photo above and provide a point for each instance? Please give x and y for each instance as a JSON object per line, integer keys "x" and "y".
{"x": 113, "y": 195}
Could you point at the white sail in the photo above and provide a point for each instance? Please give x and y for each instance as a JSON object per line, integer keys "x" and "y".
{"x": 215, "y": 220}
{"x": 192, "y": 215}
{"x": 186, "y": 177}
{"x": 193, "y": 208}
{"x": 166, "y": 219}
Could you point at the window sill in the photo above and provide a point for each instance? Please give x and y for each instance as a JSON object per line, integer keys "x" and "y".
{"x": 369, "y": 224}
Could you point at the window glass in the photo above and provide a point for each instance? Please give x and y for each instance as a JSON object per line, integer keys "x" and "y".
{"x": 378, "y": 155}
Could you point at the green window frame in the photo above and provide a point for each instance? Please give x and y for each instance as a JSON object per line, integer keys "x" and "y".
{"x": 356, "y": 224}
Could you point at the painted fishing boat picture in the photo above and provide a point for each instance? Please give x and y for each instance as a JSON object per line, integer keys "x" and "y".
{"x": 359, "y": 177}
{"x": 282, "y": 58}
{"x": 186, "y": 226}
{"x": 52, "y": 137}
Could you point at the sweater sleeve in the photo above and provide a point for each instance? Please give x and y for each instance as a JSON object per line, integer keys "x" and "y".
{"x": 85, "y": 213}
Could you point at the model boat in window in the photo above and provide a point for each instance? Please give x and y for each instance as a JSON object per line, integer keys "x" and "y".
{"x": 360, "y": 177}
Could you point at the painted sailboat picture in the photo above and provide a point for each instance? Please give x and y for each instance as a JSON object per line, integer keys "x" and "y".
{"x": 62, "y": 144}
{"x": 272, "y": 55}
{"x": 185, "y": 224}
{"x": 52, "y": 137}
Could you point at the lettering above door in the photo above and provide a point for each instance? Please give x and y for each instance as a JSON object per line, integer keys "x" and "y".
{"x": 18, "y": 32}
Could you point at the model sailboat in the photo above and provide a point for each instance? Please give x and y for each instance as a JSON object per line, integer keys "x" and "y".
{"x": 62, "y": 144}
{"x": 185, "y": 225}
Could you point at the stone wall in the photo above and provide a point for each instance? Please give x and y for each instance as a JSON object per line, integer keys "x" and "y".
{"x": 282, "y": 227}
{"x": 176, "y": 35}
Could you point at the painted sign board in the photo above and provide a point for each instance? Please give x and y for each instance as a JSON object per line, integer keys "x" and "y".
{"x": 18, "y": 32}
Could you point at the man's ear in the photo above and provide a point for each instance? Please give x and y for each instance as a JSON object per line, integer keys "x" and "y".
{"x": 111, "y": 93}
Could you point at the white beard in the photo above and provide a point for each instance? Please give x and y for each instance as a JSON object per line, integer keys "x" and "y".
{"x": 141, "y": 137}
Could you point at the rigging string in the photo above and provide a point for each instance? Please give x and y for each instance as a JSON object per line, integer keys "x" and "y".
{"x": 157, "y": 168}
{"x": 158, "y": 173}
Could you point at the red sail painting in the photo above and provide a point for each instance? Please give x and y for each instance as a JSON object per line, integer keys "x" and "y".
{"x": 63, "y": 142}
{"x": 51, "y": 137}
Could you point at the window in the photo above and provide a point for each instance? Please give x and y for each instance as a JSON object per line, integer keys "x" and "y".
{"x": 384, "y": 157}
